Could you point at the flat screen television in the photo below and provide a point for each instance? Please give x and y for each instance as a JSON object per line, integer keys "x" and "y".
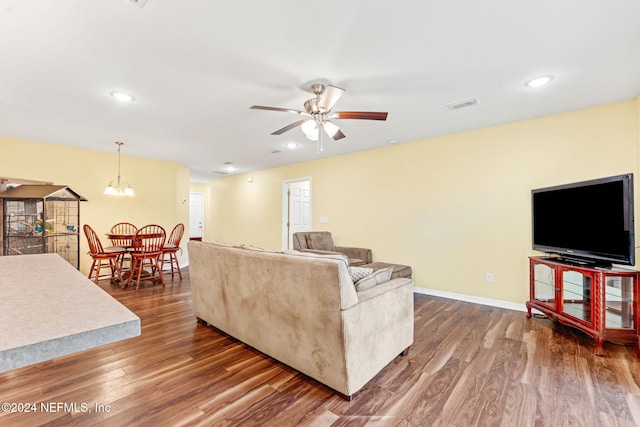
{"x": 589, "y": 222}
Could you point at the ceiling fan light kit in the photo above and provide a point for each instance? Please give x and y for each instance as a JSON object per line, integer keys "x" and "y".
{"x": 318, "y": 109}
{"x": 310, "y": 129}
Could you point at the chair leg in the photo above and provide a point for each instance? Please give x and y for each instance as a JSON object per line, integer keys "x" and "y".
{"x": 113, "y": 273}
{"x": 92, "y": 269}
{"x": 140, "y": 266}
{"x": 162, "y": 257}
{"x": 159, "y": 268}
{"x": 98, "y": 272}
{"x": 132, "y": 272}
{"x": 175, "y": 258}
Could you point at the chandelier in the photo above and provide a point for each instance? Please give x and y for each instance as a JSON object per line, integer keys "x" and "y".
{"x": 120, "y": 189}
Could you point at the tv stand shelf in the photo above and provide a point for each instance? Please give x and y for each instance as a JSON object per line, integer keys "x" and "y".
{"x": 601, "y": 302}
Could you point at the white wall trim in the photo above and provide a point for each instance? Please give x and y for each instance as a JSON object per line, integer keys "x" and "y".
{"x": 469, "y": 298}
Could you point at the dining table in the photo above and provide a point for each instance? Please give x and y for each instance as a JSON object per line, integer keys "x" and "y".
{"x": 131, "y": 236}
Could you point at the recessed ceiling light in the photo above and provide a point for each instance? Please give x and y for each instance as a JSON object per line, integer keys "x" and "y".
{"x": 123, "y": 97}
{"x": 291, "y": 145}
{"x": 539, "y": 81}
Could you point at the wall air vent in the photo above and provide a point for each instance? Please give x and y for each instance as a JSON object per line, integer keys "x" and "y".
{"x": 463, "y": 104}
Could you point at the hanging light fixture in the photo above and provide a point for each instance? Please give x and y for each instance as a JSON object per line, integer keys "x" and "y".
{"x": 118, "y": 190}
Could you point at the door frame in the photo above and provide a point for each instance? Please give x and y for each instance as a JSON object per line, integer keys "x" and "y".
{"x": 285, "y": 207}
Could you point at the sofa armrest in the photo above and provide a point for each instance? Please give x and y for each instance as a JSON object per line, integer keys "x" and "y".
{"x": 377, "y": 329}
{"x": 356, "y": 253}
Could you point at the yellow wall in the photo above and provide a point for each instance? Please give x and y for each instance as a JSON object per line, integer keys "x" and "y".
{"x": 454, "y": 207}
{"x": 162, "y": 188}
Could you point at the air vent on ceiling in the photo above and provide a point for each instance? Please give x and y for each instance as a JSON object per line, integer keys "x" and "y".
{"x": 139, "y": 3}
{"x": 221, "y": 173}
{"x": 463, "y": 104}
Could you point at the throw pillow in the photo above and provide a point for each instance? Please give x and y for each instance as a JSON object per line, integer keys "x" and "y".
{"x": 358, "y": 273}
{"x": 376, "y": 278}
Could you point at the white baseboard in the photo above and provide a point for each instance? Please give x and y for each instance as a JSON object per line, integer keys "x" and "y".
{"x": 469, "y": 298}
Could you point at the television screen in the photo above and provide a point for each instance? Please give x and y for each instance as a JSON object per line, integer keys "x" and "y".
{"x": 590, "y": 220}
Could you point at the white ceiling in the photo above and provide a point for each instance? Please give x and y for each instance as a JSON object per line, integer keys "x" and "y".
{"x": 196, "y": 66}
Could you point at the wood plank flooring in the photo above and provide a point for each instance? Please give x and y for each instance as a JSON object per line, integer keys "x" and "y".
{"x": 470, "y": 365}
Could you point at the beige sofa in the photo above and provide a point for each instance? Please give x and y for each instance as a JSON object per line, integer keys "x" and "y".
{"x": 303, "y": 310}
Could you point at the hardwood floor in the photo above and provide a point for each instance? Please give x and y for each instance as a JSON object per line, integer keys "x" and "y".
{"x": 470, "y": 365}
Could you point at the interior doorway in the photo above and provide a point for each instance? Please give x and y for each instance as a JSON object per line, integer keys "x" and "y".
{"x": 296, "y": 209}
{"x": 196, "y": 216}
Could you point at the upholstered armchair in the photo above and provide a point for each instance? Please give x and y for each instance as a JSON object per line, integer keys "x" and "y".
{"x": 322, "y": 242}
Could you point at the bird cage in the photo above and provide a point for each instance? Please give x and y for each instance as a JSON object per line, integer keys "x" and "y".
{"x": 40, "y": 219}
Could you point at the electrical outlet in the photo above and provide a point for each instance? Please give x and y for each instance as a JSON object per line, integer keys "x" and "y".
{"x": 489, "y": 277}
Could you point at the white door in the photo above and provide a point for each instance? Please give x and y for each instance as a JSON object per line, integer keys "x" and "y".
{"x": 196, "y": 216}
{"x": 296, "y": 209}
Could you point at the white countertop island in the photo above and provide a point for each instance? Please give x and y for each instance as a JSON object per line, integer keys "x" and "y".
{"x": 48, "y": 309}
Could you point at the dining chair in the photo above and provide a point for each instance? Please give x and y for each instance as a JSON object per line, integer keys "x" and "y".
{"x": 102, "y": 257}
{"x": 171, "y": 247}
{"x": 146, "y": 252}
{"x": 123, "y": 229}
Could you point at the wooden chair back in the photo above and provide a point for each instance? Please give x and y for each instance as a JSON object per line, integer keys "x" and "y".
{"x": 123, "y": 228}
{"x": 95, "y": 247}
{"x": 149, "y": 239}
{"x": 175, "y": 237}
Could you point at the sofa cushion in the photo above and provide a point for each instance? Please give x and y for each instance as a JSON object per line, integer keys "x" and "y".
{"x": 358, "y": 273}
{"x": 300, "y": 240}
{"x": 399, "y": 270}
{"x": 373, "y": 279}
{"x": 320, "y": 240}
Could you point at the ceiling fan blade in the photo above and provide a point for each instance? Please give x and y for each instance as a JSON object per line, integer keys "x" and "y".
{"x": 288, "y": 127}
{"x": 333, "y": 130}
{"x": 329, "y": 97}
{"x": 338, "y": 135}
{"x": 362, "y": 115}
{"x": 285, "y": 110}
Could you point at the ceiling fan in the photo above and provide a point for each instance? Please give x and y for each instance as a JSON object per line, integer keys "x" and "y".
{"x": 318, "y": 111}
